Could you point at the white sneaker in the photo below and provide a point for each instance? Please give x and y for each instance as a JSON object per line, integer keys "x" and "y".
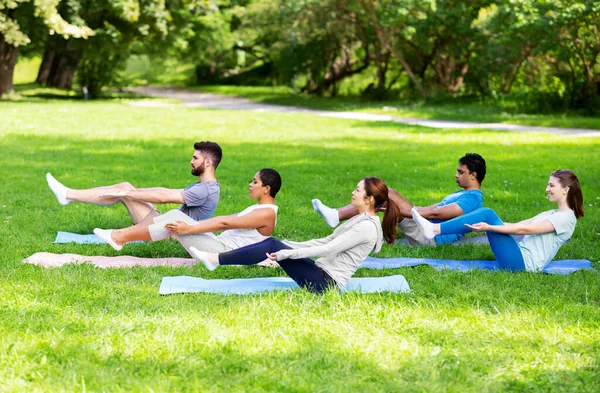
{"x": 425, "y": 224}
{"x": 204, "y": 258}
{"x": 58, "y": 189}
{"x": 106, "y": 235}
{"x": 330, "y": 215}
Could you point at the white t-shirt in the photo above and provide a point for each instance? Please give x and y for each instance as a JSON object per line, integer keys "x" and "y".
{"x": 236, "y": 238}
{"x": 538, "y": 250}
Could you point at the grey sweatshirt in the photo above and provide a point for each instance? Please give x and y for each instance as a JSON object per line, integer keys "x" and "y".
{"x": 341, "y": 253}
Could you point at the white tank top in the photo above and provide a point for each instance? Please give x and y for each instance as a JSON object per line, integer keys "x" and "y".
{"x": 236, "y": 238}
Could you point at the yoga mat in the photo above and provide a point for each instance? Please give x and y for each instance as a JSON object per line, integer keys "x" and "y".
{"x": 68, "y": 237}
{"x": 47, "y": 259}
{"x": 555, "y": 267}
{"x": 241, "y": 286}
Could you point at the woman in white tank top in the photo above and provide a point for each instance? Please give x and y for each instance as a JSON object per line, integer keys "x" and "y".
{"x": 252, "y": 225}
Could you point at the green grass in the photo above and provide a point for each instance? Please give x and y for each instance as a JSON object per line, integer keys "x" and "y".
{"x": 26, "y": 70}
{"x": 457, "y": 109}
{"x": 142, "y": 70}
{"x": 78, "y": 328}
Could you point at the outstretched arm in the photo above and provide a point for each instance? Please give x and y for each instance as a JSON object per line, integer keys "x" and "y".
{"x": 152, "y": 195}
{"x": 259, "y": 218}
{"x": 443, "y": 213}
{"x": 526, "y": 227}
{"x": 360, "y": 233}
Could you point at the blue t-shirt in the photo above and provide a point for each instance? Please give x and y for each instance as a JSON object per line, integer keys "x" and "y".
{"x": 468, "y": 201}
{"x": 201, "y": 200}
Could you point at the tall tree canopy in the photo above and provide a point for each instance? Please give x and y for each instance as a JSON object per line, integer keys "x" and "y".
{"x": 17, "y": 19}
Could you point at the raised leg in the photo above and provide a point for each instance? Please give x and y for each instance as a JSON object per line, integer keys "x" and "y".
{"x": 303, "y": 271}
{"x": 504, "y": 246}
{"x": 403, "y": 203}
{"x": 104, "y": 196}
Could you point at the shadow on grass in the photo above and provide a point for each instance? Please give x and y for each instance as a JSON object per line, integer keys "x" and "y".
{"x": 33, "y": 93}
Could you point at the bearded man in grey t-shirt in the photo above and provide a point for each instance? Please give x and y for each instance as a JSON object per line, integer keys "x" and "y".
{"x": 199, "y": 200}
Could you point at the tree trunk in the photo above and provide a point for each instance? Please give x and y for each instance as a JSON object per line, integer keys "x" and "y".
{"x": 382, "y": 61}
{"x": 8, "y": 59}
{"x": 385, "y": 42}
{"x": 512, "y": 75}
{"x": 61, "y": 58}
{"x": 46, "y": 66}
{"x": 62, "y": 77}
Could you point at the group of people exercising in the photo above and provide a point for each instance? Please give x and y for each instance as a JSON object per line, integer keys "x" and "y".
{"x": 245, "y": 236}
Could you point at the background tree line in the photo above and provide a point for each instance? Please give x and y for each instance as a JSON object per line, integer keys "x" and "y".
{"x": 545, "y": 52}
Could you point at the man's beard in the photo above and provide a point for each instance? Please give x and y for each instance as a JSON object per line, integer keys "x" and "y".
{"x": 198, "y": 171}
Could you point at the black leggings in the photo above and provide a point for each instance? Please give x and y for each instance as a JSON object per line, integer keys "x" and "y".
{"x": 303, "y": 271}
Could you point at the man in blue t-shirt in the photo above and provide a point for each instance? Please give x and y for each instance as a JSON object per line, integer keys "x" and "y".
{"x": 199, "y": 200}
{"x": 469, "y": 176}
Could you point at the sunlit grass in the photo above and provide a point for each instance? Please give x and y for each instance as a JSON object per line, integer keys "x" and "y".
{"x": 78, "y": 328}
{"x": 459, "y": 110}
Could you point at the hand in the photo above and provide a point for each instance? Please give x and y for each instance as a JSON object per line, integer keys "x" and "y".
{"x": 479, "y": 227}
{"x": 179, "y": 227}
{"x": 268, "y": 263}
{"x": 272, "y": 256}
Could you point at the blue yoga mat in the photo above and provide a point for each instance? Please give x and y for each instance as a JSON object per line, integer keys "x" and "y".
{"x": 241, "y": 286}
{"x": 555, "y": 267}
{"x": 68, "y": 237}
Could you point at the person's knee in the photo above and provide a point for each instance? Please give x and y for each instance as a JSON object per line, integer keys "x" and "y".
{"x": 489, "y": 214}
{"x": 270, "y": 241}
{"x": 125, "y": 186}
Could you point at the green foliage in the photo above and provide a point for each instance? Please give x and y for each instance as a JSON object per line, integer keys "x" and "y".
{"x": 46, "y": 11}
{"x": 117, "y": 26}
{"x": 79, "y": 328}
{"x": 546, "y": 51}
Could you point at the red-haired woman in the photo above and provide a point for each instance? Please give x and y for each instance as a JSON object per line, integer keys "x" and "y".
{"x": 339, "y": 254}
{"x": 544, "y": 233}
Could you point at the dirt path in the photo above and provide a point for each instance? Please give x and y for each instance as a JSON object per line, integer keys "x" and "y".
{"x": 214, "y": 101}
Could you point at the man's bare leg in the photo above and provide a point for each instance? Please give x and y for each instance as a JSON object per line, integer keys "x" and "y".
{"x": 403, "y": 203}
{"x": 138, "y": 210}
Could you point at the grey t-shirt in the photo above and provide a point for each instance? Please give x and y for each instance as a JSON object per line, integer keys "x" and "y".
{"x": 201, "y": 200}
{"x": 538, "y": 250}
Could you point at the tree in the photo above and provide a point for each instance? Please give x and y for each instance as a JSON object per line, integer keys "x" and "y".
{"x": 392, "y": 21}
{"x": 14, "y": 15}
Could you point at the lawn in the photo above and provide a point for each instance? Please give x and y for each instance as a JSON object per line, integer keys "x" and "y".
{"x": 460, "y": 109}
{"x": 79, "y": 328}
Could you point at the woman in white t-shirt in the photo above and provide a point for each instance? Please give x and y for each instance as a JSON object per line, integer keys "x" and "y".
{"x": 252, "y": 225}
{"x": 544, "y": 233}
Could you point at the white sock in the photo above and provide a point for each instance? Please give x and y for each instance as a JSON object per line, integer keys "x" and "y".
{"x": 425, "y": 225}
{"x": 207, "y": 258}
{"x": 330, "y": 215}
{"x": 58, "y": 189}
{"x": 106, "y": 235}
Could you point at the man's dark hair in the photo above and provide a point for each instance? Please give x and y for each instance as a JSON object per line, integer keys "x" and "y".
{"x": 210, "y": 149}
{"x": 475, "y": 163}
{"x": 270, "y": 177}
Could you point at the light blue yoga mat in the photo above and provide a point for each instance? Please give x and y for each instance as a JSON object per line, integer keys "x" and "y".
{"x": 555, "y": 267}
{"x": 241, "y": 286}
{"x": 68, "y": 237}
